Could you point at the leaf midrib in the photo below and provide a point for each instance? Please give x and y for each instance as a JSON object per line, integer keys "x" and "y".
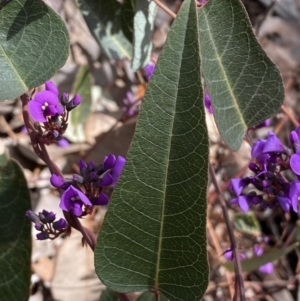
{"x": 223, "y": 71}
{"x": 156, "y": 282}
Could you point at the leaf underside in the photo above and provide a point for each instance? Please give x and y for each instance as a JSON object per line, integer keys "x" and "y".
{"x": 245, "y": 86}
{"x": 154, "y": 232}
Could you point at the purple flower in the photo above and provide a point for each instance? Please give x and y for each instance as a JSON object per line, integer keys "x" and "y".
{"x": 44, "y": 104}
{"x": 72, "y": 200}
{"x": 207, "y": 103}
{"x": 273, "y": 144}
{"x": 149, "y": 69}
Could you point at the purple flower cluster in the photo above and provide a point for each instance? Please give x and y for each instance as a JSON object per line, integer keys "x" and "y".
{"x": 276, "y": 178}
{"x": 46, "y": 107}
{"x": 46, "y": 223}
{"x": 131, "y": 106}
{"x": 86, "y": 189}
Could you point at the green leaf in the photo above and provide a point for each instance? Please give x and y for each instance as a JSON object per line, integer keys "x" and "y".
{"x": 143, "y": 30}
{"x": 154, "y": 234}
{"x": 103, "y": 19}
{"x": 255, "y": 262}
{"x": 127, "y": 14}
{"x": 34, "y": 44}
{"x": 245, "y": 86}
{"x": 149, "y": 296}
{"x": 246, "y": 223}
{"x": 79, "y": 115}
{"x": 15, "y": 234}
{"x": 108, "y": 295}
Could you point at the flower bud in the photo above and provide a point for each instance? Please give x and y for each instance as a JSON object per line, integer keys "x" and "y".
{"x": 73, "y": 103}
{"x": 64, "y": 99}
{"x": 32, "y": 216}
{"x": 60, "y": 224}
{"x": 42, "y": 235}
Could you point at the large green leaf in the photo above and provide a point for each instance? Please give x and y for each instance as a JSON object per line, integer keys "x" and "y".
{"x": 15, "y": 234}
{"x": 255, "y": 262}
{"x": 245, "y": 86}
{"x": 143, "y": 30}
{"x": 103, "y": 18}
{"x": 34, "y": 44}
{"x": 82, "y": 86}
{"x": 154, "y": 236}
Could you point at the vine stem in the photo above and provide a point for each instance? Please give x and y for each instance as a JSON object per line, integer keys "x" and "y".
{"x": 165, "y": 8}
{"x": 239, "y": 282}
{"x": 40, "y": 149}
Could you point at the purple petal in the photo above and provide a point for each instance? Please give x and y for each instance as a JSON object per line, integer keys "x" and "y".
{"x": 36, "y": 112}
{"x": 273, "y": 144}
{"x": 267, "y": 268}
{"x": 77, "y": 208}
{"x": 228, "y": 255}
{"x": 237, "y": 185}
{"x": 258, "y": 251}
{"x": 50, "y": 110}
{"x": 82, "y": 164}
{"x": 294, "y": 194}
{"x": 83, "y": 198}
{"x": 117, "y": 169}
{"x": 50, "y": 86}
{"x": 63, "y": 142}
{"x": 243, "y": 203}
{"x": 65, "y": 201}
{"x": 46, "y": 96}
{"x": 56, "y": 181}
{"x": 42, "y": 236}
{"x": 60, "y": 224}
{"x": 295, "y": 164}
{"x": 107, "y": 180}
{"x": 149, "y": 69}
{"x": 257, "y": 148}
{"x": 108, "y": 162}
{"x": 59, "y": 109}
{"x": 284, "y": 202}
{"x": 76, "y": 100}
{"x": 102, "y": 200}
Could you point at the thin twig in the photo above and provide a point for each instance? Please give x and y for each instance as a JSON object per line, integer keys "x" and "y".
{"x": 290, "y": 115}
{"x": 166, "y": 9}
{"x": 219, "y": 250}
{"x": 239, "y": 282}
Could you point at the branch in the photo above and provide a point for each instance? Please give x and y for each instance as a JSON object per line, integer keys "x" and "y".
{"x": 239, "y": 282}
